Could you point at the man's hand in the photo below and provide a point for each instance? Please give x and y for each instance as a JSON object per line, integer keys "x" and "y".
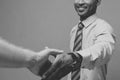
{"x": 40, "y": 63}
{"x": 62, "y": 65}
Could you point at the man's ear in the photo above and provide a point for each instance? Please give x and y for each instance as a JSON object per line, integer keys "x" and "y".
{"x": 98, "y": 2}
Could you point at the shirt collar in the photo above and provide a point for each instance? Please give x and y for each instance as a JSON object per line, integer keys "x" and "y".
{"x": 89, "y": 20}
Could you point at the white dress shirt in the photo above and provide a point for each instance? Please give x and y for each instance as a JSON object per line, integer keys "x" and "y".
{"x": 97, "y": 48}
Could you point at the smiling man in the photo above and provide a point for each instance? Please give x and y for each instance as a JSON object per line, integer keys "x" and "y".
{"x": 97, "y": 41}
{"x": 92, "y": 44}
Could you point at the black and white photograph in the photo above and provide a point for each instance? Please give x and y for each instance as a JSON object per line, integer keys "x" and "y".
{"x": 59, "y": 40}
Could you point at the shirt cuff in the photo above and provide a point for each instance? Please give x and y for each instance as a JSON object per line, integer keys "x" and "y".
{"x": 86, "y": 57}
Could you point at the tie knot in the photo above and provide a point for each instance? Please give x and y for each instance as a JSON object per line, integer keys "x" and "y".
{"x": 80, "y": 25}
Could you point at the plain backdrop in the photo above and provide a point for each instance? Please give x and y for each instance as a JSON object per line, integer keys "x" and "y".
{"x": 34, "y": 24}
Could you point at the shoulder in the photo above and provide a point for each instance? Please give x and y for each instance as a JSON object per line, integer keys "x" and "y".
{"x": 103, "y": 25}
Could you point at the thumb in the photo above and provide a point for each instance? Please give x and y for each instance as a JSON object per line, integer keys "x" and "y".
{"x": 54, "y": 52}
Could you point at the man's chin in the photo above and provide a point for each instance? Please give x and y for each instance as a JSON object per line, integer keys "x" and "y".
{"x": 82, "y": 13}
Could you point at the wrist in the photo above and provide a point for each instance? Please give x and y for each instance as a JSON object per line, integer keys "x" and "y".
{"x": 76, "y": 56}
{"x": 78, "y": 60}
{"x": 79, "y": 57}
{"x": 30, "y": 58}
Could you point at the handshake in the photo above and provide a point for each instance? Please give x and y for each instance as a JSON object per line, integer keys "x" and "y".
{"x": 63, "y": 64}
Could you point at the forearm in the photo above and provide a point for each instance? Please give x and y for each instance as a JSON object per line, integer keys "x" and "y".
{"x": 13, "y": 56}
{"x": 99, "y": 53}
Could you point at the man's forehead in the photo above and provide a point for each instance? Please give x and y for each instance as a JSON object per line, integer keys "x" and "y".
{"x": 84, "y": 0}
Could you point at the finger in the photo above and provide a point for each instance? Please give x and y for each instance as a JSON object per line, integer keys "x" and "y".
{"x": 59, "y": 73}
{"x": 49, "y": 73}
{"x": 57, "y": 70}
{"x": 53, "y": 75}
{"x": 55, "y": 52}
{"x": 61, "y": 69}
{"x": 44, "y": 67}
{"x": 55, "y": 65}
{"x": 64, "y": 71}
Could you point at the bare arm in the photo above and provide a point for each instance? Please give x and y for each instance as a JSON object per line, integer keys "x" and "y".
{"x": 14, "y": 56}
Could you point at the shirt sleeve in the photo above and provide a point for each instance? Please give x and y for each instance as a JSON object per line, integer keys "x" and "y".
{"x": 101, "y": 52}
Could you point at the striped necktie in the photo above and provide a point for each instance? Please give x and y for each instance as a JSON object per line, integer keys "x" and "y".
{"x": 77, "y": 46}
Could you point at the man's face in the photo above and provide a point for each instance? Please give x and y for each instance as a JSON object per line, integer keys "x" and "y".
{"x": 85, "y": 8}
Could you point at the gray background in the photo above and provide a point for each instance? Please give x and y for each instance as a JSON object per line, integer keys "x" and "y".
{"x": 35, "y": 24}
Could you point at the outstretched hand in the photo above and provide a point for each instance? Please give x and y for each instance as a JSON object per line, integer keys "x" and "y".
{"x": 63, "y": 64}
{"x": 40, "y": 62}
